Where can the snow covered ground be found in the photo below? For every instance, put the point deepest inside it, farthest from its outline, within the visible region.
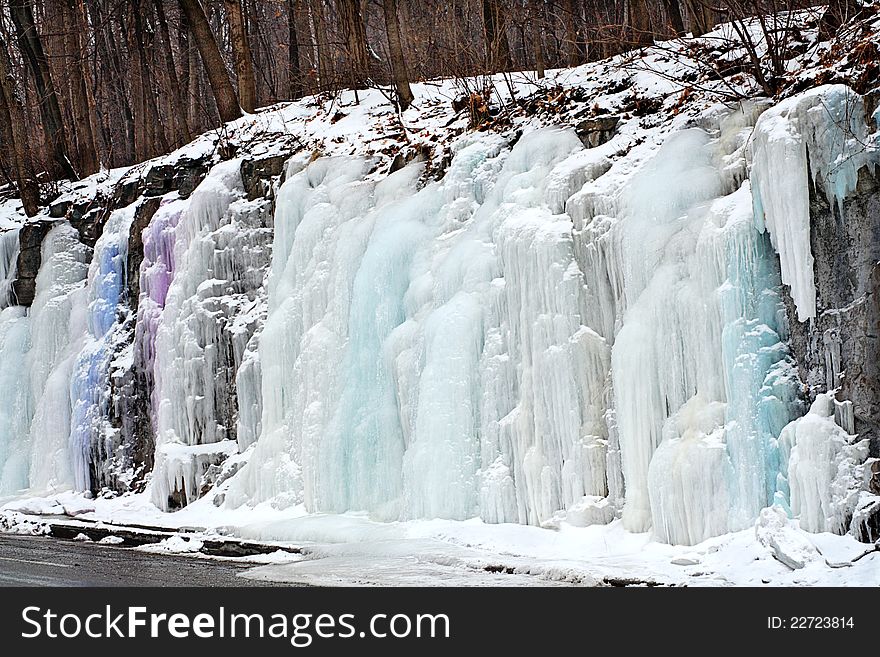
(352, 550)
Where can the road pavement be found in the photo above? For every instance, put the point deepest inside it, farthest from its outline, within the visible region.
(45, 561)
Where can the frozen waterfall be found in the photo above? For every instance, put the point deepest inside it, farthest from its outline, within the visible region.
(546, 333)
(473, 371)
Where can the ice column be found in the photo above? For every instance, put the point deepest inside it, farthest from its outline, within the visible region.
(668, 348)
(323, 224)
(58, 331)
(16, 410)
(825, 468)
(203, 310)
(90, 382)
(9, 248)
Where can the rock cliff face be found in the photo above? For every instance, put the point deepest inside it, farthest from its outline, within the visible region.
(30, 239)
(840, 349)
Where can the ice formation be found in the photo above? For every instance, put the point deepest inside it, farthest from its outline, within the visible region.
(546, 333)
(463, 329)
(90, 382)
(818, 138)
(16, 409)
(205, 260)
(58, 322)
(449, 315)
(9, 250)
(825, 470)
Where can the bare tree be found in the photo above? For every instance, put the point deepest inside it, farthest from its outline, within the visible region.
(640, 23)
(14, 131)
(119, 81)
(50, 111)
(572, 40)
(294, 75)
(536, 18)
(395, 50)
(86, 152)
(175, 90)
(351, 19)
(241, 51)
(673, 15)
(221, 85)
(702, 16)
(497, 46)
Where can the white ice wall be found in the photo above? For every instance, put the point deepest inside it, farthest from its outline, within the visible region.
(59, 326)
(451, 317)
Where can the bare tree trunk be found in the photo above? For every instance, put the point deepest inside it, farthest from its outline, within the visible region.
(119, 120)
(294, 76)
(175, 87)
(673, 14)
(14, 132)
(572, 38)
(50, 111)
(193, 78)
(537, 21)
(241, 51)
(352, 23)
(221, 85)
(640, 23)
(138, 107)
(702, 19)
(90, 77)
(395, 50)
(87, 156)
(497, 47)
(149, 137)
(316, 10)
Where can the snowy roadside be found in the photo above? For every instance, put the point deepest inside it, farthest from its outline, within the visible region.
(352, 550)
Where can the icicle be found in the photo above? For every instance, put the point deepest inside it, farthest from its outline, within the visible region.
(204, 261)
(820, 133)
(9, 249)
(17, 409)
